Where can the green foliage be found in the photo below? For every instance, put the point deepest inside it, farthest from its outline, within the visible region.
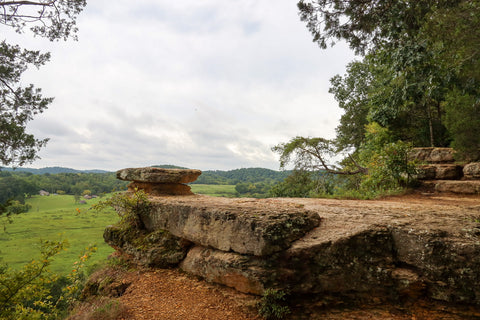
(462, 118)
(16, 185)
(300, 184)
(388, 165)
(31, 292)
(48, 217)
(23, 293)
(246, 175)
(19, 104)
(352, 93)
(272, 305)
(313, 154)
(416, 56)
(130, 206)
(255, 190)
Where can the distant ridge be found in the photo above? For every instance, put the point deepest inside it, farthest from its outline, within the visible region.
(53, 170)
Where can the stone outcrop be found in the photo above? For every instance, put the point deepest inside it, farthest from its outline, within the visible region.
(356, 249)
(433, 155)
(150, 249)
(238, 226)
(472, 170)
(159, 181)
(439, 173)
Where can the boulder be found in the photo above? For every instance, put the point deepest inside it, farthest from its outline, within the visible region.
(245, 227)
(472, 170)
(159, 181)
(158, 175)
(432, 155)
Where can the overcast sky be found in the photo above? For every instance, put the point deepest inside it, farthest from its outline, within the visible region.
(209, 84)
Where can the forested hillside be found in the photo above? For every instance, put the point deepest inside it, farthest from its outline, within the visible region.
(246, 175)
(19, 185)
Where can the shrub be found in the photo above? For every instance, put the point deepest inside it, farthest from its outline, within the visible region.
(272, 305)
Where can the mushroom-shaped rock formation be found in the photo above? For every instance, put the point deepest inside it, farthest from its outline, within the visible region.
(159, 181)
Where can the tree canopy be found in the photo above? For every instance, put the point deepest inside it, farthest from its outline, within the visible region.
(418, 57)
(53, 19)
(415, 83)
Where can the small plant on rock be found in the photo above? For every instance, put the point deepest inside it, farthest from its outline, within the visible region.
(129, 206)
(272, 305)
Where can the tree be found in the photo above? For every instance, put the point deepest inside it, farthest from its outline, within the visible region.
(313, 154)
(352, 93)
(366, 24)
(53, 19)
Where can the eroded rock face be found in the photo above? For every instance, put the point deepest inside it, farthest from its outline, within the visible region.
(448, 265)
(158, 249)
(359, 249)
(159, 181)
(245, 273)
(241, 226)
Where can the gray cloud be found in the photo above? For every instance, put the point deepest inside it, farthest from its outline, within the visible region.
(205, 84)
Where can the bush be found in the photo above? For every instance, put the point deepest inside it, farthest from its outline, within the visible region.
(272, 305)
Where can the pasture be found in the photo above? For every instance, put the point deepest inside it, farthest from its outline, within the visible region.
(215, 190)
(58, 217)
(55, 217)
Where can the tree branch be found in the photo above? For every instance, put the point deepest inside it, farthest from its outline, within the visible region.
(32, 3)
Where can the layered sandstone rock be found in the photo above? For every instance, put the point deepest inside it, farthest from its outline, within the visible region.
(159, 181)
(433, 155)
(357, 249)
(440, 172)
(238, 226)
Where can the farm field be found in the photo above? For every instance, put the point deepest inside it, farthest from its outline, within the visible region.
(55, 217)
(215, 190)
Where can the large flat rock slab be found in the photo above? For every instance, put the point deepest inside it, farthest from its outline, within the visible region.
(159, 181)
(246, 226)
(389, 249)
(158, 175)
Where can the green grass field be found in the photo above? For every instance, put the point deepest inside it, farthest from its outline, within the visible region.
(215, 190)
(55, 218)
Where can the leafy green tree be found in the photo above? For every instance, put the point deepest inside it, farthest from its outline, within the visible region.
(463, 121)
(53, 19)
(352, 93)
(314, 154)
(300, 184)
(367, 24)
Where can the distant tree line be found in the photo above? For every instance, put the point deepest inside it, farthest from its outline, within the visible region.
(244, 175)
(19, 185)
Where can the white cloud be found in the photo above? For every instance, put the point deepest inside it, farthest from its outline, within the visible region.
(205, 84)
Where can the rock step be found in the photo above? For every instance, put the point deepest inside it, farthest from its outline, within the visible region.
(440, 172)
(454, 186)
(432, 155)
